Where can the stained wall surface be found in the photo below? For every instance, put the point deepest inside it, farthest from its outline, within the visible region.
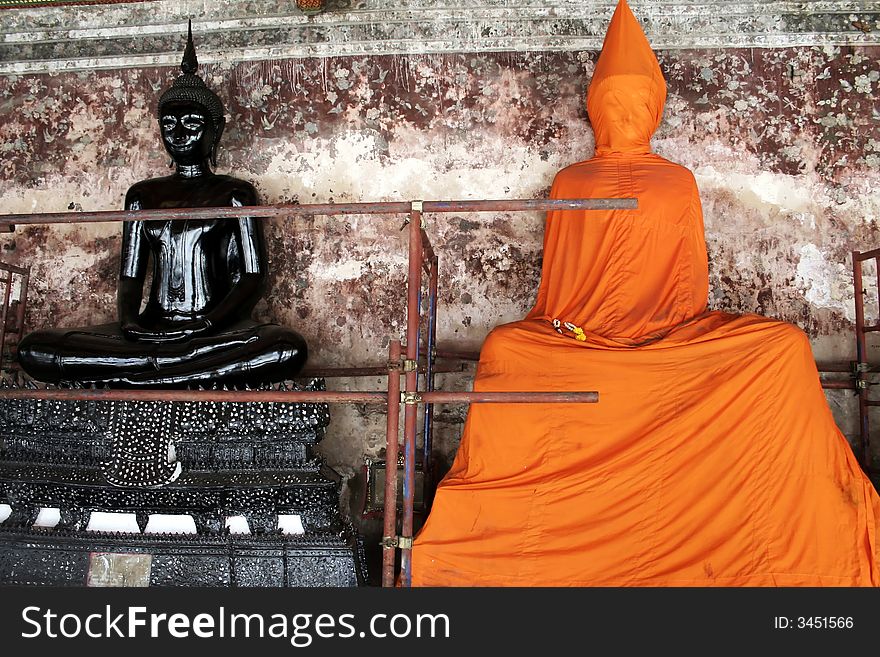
(779, 122)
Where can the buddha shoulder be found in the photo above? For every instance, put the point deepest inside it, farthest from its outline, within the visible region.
(236, 189)
(174, 191)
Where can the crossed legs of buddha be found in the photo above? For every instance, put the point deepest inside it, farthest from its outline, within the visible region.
(247, 353)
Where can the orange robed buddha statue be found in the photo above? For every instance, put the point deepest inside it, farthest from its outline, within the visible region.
(712, 457)
(207, 276)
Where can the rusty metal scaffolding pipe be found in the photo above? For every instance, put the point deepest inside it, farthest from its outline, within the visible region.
(179, 214)
(392, 432)
(862, 356)
(281, 396)
(457, 355)
(313, 209)
(410, 416)
(111, 394)
(861, 352)
(839, 385)
(430, 371)
(21, 271)
(860, 256)
(838, 367)
(520, 205)
(441, 397)
(3, 315)
(22, 297)
(449, 354)
(313, 396)
(373, 370)
(449, 368)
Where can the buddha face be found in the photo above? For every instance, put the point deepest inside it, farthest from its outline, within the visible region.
(188, 132)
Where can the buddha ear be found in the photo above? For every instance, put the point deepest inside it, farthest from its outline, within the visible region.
(221, 125)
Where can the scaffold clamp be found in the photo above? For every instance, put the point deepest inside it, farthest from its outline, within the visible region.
(418, 206)
(410, 398)
(402, 542)
(415, 206)
(404, 365)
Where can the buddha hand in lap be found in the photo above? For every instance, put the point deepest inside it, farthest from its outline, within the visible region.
(207, 276)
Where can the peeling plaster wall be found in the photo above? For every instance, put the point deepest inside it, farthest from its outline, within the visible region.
(784, 143)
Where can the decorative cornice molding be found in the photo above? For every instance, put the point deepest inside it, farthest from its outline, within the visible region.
(54, 39)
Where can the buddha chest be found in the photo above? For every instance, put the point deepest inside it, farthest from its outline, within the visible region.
(191, 259)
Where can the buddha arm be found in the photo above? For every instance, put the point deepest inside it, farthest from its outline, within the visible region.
(252, 270)
(132, 271)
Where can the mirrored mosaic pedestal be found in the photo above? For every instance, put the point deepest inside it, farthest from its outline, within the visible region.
(206, 460)
(47, 557)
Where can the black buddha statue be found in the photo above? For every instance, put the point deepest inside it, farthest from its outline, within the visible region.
(207, 276)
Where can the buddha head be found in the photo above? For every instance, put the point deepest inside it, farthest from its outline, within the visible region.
(191, 117)
(627, 93)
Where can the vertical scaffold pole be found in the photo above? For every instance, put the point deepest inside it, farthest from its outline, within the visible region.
(392, 431)
(6, 296)
(428, 433)
(861, 360)
(22, 299)
(410, 418)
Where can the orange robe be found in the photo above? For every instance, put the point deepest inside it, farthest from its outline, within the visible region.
(712, 457)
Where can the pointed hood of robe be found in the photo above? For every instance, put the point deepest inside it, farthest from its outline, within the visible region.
(626, 96)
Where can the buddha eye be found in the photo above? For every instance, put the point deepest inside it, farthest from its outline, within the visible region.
(168, 122)
(193, 122)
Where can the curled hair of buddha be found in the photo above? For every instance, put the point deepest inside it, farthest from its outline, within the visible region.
(190, 88)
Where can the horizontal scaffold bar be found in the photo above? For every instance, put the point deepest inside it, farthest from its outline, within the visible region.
(860, 256)
(21, 271)
(187, 395)
(440, 397)
(372, 370)
(313, 209)
(839, 385)
(326, 396)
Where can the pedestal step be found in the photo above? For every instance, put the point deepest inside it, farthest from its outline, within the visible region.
(41, 557)
(259, 495)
